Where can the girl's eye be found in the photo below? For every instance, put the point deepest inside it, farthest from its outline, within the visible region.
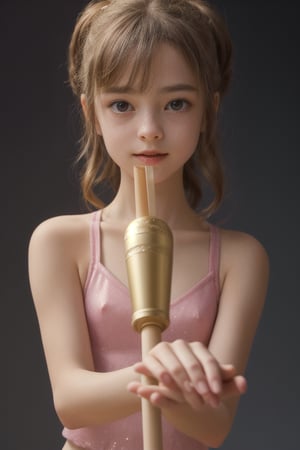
(177, 105)
(121, 107)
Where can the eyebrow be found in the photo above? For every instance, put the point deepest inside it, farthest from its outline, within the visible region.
(164, 89)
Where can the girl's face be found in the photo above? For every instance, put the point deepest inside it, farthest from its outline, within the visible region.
(159, 126)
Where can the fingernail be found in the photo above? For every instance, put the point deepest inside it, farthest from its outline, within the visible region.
(202, 387)
(216, 387)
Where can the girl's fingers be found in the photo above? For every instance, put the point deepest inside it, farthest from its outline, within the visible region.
(178, 361)
(176, 366)
(191, 370)
(160, 401)
(142, 369)
(228, 371)
(163, 397)
(148, 391)
(237, 386)
(211, 368)
(194, 375)
(194, 359)
(158, 393)
(165, 362)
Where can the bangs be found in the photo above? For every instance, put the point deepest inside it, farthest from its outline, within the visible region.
(137, 62)
(132, 49)
(128, 42)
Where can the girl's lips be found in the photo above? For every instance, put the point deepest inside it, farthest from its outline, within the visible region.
(150, 158)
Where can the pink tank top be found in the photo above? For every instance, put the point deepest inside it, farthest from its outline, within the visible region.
(116, 345)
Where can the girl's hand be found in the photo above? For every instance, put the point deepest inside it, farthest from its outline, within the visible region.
(186, 372)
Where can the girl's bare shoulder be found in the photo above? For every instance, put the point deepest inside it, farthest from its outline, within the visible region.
(60, 243)
(62, 237)
(235, 242)
(62, 227)
(241, 251)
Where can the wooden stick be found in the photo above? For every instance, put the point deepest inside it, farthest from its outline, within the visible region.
(140, 192)
(150, 190)
(151, 416)
(144, 191)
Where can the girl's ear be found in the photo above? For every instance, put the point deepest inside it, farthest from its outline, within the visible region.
(85, 112)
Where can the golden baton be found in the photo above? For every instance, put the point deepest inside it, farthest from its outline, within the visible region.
(149, 254)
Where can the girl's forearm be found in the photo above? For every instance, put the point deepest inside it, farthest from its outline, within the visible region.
(209, 425)
(86, 398)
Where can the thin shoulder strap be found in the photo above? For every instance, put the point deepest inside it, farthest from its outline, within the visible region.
(95, 237)
(94, 245)
(214, 254)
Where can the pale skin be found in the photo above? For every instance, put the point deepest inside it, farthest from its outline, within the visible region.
(198, 388)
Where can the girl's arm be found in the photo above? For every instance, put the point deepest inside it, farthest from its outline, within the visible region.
(81, 396)
(206, 414)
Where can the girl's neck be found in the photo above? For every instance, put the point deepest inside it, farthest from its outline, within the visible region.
(171, 204)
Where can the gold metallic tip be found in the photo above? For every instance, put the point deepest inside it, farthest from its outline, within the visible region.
(149, 254)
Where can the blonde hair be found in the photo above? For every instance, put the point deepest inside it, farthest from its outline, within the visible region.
(110, 32)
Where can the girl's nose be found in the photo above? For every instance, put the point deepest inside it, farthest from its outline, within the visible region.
(150, 129)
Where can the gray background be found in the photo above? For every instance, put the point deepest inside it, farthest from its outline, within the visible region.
(38, 144)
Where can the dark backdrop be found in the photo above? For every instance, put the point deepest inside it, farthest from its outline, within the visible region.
(38, 144)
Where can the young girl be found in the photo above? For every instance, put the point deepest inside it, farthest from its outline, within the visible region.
(150, 75)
